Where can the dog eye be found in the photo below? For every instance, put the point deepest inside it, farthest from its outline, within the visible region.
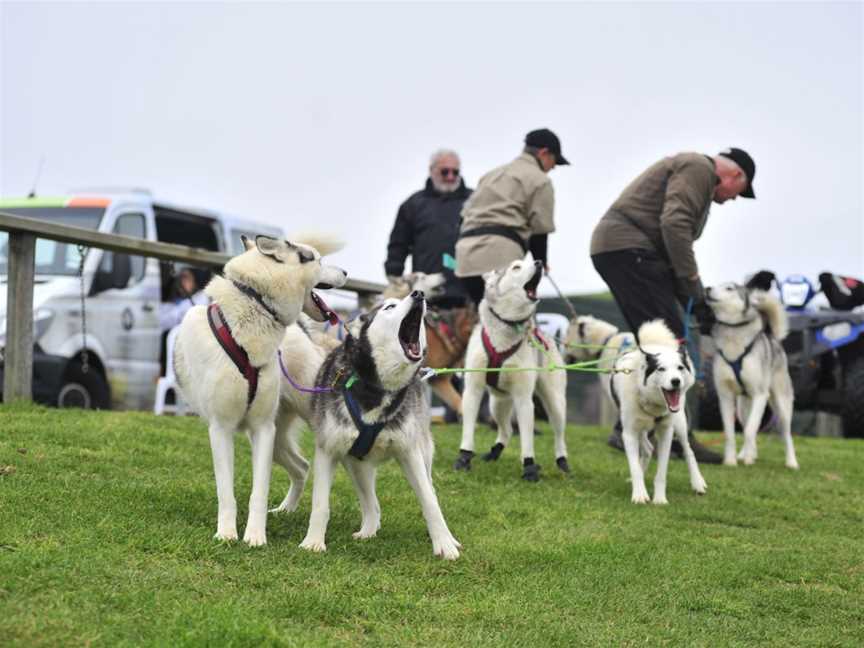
(680, 368)
(389, 306)
(517, 267)
(661, 369)
(305, 258)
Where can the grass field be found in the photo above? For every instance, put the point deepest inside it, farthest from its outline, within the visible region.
(106, 524)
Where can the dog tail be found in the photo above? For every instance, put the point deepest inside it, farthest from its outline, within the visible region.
(656, 332)
(324, 243)
(773, 312)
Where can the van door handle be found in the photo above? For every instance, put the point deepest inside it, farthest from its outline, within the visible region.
(148, 307)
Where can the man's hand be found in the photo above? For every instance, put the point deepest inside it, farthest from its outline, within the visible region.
(703, 313)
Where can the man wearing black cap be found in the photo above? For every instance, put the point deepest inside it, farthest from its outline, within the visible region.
(510, 212)
(643, 245)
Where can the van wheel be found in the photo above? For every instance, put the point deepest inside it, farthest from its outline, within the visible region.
(85, 390)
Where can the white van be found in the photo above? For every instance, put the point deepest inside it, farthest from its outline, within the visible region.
(124, 342)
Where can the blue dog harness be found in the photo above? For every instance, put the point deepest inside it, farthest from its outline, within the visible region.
(736, 364)
(368, 432)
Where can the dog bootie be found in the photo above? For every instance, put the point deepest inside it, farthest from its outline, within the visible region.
(494, 452)
(530, 471)
(463, 461)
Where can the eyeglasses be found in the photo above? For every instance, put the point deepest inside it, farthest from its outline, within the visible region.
(448, 172)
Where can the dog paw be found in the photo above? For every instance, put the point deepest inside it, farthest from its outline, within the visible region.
(793, 464)
(531, 473)
(494, 452)
(730, 461)
(313, 544)
(640, 496)
(447, 548)
(463, 461)
(659, 499)
(226, 536)
(255, 537)
(747, 460)
(699, 486)
(364, 534)
(562, 464)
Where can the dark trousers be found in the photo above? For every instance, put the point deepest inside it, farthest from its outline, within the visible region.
(475, 287)
(643, 285)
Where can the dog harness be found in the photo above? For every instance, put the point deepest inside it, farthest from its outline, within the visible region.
(736, 365)
(234, 351)
(368, 431)
(495, 358)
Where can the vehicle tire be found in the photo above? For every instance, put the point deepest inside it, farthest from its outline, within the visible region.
(84, 390)
(853, 397)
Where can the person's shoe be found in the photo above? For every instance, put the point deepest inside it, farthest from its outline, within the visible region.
(703, 455)
(616, 440)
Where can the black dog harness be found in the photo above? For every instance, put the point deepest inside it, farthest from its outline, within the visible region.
(368, 432)
(234, 351)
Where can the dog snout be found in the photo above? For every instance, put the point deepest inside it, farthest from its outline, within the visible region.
(418, 295)
(676, 382)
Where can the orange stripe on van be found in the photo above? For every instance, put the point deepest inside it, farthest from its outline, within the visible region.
(88, 202)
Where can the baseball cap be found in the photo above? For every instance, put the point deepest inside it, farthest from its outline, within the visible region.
(545, 138)
(748, 166)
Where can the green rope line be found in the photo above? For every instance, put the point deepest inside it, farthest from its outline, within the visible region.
(576, 366)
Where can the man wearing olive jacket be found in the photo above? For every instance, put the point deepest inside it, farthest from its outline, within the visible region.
(643, 245)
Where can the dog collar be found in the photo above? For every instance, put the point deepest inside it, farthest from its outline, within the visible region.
(735, 324)
(256, 296)
(513, 323)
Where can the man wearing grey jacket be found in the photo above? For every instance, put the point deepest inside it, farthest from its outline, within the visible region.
(643, 245)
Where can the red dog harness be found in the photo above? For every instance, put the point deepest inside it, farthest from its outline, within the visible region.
(237, 353)
(495, 358)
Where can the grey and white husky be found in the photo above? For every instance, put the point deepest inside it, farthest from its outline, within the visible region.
(750, 368)
(370, 406)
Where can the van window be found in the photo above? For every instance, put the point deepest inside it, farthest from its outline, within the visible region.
(133, 225)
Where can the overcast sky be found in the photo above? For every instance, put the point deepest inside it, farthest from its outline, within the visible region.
(324, 115)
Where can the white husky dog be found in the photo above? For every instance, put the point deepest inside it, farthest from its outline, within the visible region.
(750, 366)
(649, 384)
(225, 359)
(589, 338)
(367, 405)
(505, 337)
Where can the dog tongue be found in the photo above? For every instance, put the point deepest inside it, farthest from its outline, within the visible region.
(331, 316)
(673, 398)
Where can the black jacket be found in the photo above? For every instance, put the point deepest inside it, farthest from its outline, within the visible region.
(427, 226)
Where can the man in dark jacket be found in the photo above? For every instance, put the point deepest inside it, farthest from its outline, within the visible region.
(427, 226)
(643, 245)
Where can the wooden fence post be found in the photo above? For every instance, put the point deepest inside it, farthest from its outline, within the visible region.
(18, 355)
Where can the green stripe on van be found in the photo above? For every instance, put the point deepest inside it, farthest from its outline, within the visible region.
(9, 203)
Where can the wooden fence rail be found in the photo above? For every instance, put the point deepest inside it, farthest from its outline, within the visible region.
(23, 232)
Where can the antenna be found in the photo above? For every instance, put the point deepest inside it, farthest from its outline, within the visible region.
(32, 193)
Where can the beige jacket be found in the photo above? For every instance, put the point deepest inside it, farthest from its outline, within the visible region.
(518, 195)
(665, 210)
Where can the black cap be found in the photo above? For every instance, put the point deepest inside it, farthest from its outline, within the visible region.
(545, 138)
(748, 166)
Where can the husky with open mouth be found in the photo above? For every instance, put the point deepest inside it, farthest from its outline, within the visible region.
(369, 405)
(648, 384)
(507, 338)
(225, 358)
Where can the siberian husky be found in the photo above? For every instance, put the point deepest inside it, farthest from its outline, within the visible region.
(648, 384)
(750, 366)
(368, 405)
(225, 359)
(506, 337)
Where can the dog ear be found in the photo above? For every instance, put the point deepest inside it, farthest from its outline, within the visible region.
(580, 329)
(651, 364)
(247, 244)
(490, 278)
(685, 357)
(270, 247)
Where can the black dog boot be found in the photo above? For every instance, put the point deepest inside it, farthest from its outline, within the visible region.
(463, 461)
(562, 464)
(494, 452)
(530, 470)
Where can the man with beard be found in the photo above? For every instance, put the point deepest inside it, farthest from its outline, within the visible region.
(427, 226)
(643, 245)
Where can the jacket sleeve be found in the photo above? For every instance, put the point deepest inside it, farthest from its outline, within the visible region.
(401, 241)
(541, 209)
(688, 193)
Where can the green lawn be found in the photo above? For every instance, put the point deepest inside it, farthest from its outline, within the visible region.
(106, 524)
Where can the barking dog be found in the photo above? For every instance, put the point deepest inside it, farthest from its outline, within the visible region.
(750, 366)
(372, 408)
(648, 384)
(225, 356)
(502, 338)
